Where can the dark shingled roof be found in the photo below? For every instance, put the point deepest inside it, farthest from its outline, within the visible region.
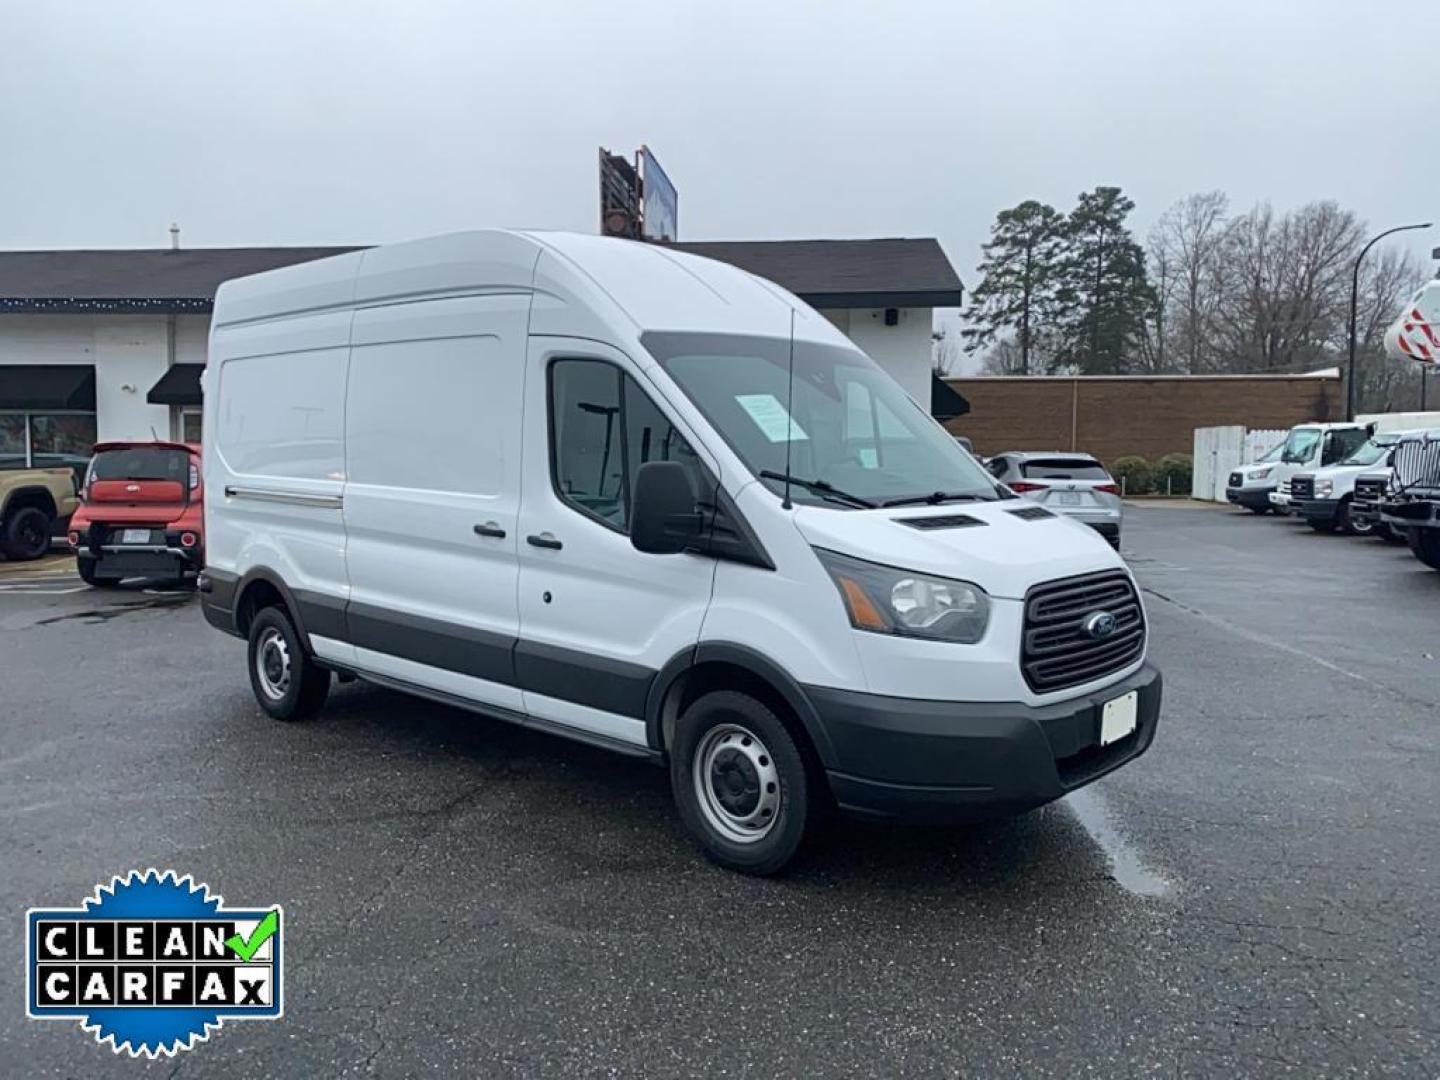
(825, 273)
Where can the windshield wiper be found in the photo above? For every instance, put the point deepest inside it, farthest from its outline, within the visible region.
(822, 487)
(935, 498)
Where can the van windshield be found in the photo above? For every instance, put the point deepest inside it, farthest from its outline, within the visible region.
(1372, 451)
(850, 428)
(1300, 445)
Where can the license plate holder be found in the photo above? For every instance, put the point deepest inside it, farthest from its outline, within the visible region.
(1069, 498)
(135, 536)
(1119, 717)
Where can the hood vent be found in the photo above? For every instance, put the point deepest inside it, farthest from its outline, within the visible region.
(1031, 513)
(943, 521)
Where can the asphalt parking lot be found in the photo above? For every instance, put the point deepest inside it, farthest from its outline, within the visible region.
(1257, 896)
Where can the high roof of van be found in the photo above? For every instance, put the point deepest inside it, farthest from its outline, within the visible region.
(627, 286)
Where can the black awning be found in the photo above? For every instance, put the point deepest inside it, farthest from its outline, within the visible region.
(47, 386)
(180, 385)
(946, 402)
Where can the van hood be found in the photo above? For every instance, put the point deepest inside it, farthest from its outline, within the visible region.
(984, 543)
(1340, 472)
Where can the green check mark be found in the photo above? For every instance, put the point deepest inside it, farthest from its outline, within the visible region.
(244, 948)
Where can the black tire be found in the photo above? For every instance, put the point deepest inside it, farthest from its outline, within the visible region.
(769, 771)
(1425, 544)
(1258, 511)
(1389, 534)
(86, 569)
(288, 684)
(1323, 526)
(1348, 525)
(25, 534)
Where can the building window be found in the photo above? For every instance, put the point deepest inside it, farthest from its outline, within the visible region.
(46, 440)
(188, 424)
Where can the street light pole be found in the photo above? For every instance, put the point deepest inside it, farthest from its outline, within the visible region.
(1355, 302)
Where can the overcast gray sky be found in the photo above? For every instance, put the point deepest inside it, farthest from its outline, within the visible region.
(262, 122)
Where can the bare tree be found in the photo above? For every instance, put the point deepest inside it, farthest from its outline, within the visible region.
(1383, 384)
(1286, 287)
(1004, 357)
(946, 353)
(1185, 248)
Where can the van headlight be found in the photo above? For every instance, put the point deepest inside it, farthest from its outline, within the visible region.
(1324, 488)
(884, 600)
(1261, 474)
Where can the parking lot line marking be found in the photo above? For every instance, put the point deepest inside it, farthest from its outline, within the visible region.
(11, 591)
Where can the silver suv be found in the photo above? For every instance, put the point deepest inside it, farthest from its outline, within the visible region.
(1075, 485)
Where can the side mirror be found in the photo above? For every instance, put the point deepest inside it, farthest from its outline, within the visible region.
(663, 518)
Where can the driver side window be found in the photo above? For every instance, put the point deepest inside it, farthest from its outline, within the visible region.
(603, 427)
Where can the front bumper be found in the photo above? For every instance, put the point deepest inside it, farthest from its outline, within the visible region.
(957, 761)
(1412, 513)
(1319, 510)
(1280, 500)
(1251, 498)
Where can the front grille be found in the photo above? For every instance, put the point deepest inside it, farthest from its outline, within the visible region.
(1302, 487)
(1236, 480)
(943, 521)
(1031, 513)
(1417, 464)
(1056, 652)
(1371, 490)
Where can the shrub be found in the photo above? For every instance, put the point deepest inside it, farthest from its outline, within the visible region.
(1133, 473)
(1176, 469)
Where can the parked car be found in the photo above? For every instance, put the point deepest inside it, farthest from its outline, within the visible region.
(1325, 498)
(33, 504)
(696, 525)
(1075, 485)
(141, 513)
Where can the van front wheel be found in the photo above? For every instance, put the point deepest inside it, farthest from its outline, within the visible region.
(287, 683)
(741, 783)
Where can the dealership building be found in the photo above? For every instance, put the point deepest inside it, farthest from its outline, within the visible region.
(109, 344)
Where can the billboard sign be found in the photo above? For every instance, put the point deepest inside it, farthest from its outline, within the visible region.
(661, 203)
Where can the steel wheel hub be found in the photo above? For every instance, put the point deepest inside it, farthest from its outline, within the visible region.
(272, 664)
(736, 783)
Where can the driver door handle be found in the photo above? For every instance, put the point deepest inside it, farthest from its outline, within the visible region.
(544, 540)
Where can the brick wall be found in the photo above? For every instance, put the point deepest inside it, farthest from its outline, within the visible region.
(1111, 417)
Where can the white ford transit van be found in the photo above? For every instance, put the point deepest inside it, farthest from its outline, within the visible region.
(653, 502)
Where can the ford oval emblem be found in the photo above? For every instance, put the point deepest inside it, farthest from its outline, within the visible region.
(1098, 625)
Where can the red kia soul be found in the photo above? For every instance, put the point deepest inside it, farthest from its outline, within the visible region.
(141, 513)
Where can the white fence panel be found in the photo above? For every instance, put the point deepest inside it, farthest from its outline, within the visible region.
(1260, 441)
(1217, 451)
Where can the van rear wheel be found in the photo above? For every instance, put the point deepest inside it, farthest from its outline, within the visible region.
(288, 684)
(741, 782)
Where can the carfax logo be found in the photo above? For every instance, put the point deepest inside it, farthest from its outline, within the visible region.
(152, 963)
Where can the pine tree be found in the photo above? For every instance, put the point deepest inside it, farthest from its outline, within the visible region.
(1105, 292)
(1018, 279)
